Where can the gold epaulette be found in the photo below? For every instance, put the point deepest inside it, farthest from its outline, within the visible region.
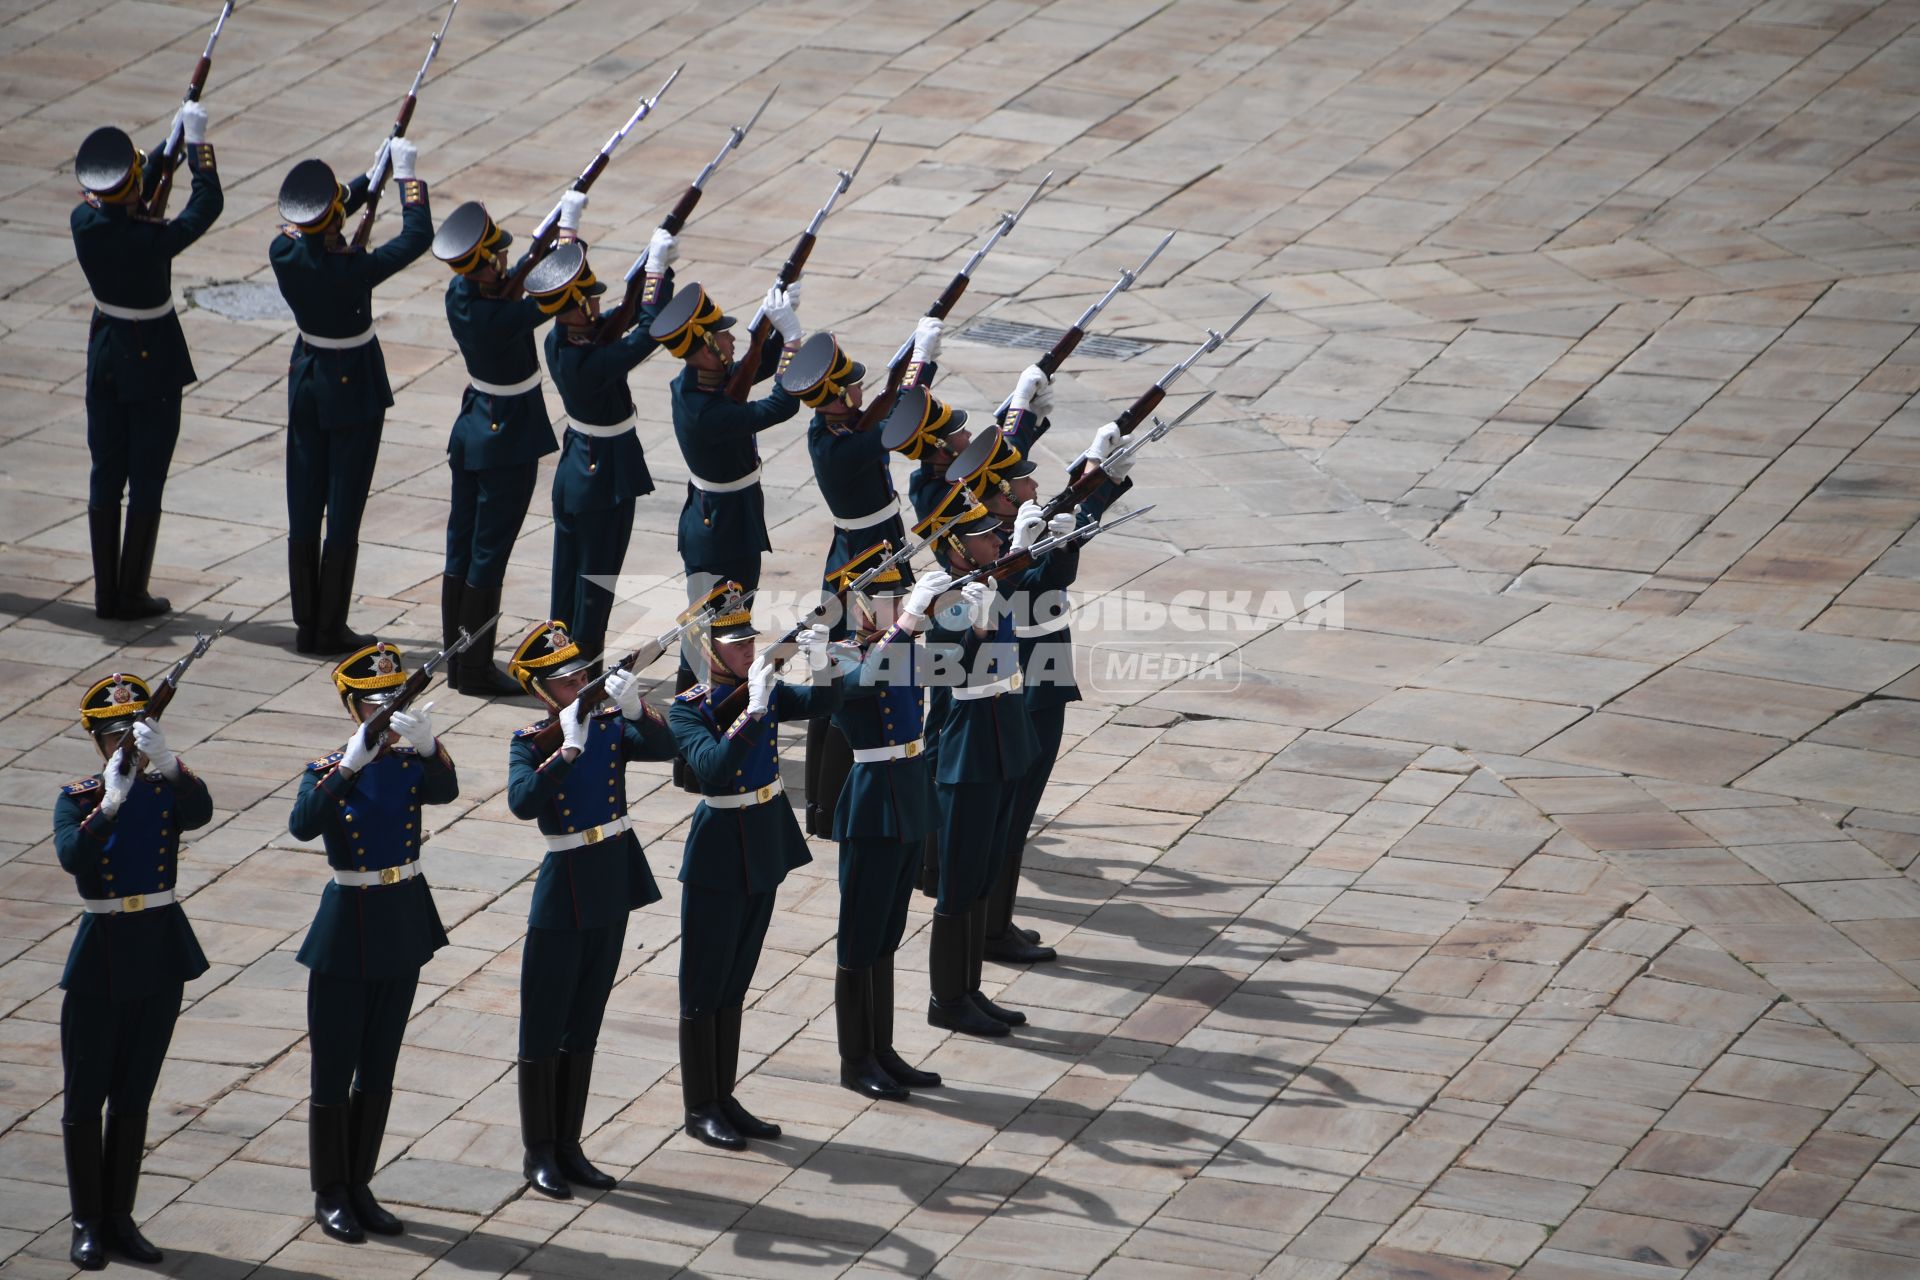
(697, 693)
(325, 763)
(80, 786)
(530, 730)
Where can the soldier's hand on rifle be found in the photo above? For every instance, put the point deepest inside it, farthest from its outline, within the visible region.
(1104, 442)
(193, 123)
(119, 785)
(572, 205)
(624, 688)
(404, 154)
(812, 643)
(1033, 393)
(358, 753)
(573, 727)
(979, 598)
(380, 161)
(760, 678)
(663, 250)
(416, 727)
(1063, 524)
(926, 340)
(1027, 524)
(152, 744)
(780, 309)
(926, 589)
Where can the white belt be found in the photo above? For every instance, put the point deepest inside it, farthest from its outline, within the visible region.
(969, 692)
(133, 313)
(746, 481)
(595, 429)
(337, 344)
(901, 751)
(592, 835)
(521, 387)
(746, 798)
(385, 875)
(867, 521)
(1035, 630)
(132, 902)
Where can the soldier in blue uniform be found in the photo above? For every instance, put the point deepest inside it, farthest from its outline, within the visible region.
(922, 429)
(740, 846)
(337, 389)
(884, 815)
(593, 876)
(376, 926)
(137, 359)
(118, 835)
(602, 471)
(500, 436)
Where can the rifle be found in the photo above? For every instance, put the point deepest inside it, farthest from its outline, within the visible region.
(381, 167)
(550, 225)
(374, 730)
(1050, 363)
(1150, 399)
(740, 384)
(616, 324)
(1015, 561)
(169, 157)
(547, 740)
(161, 695)
(1089, 477)
(880, 405)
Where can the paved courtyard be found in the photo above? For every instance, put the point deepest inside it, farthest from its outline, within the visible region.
(1554, 915)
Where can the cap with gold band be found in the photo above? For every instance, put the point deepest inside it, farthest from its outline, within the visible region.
(374, 674)
(917, 421)
(112, 703)
(687, 320)
(821, 371)
(894, 580)
(310, 196)
(733, 621)
(469, 237)
(547, 653)
(109, 166)
(563, 279)
(988, 463)
(958, 514)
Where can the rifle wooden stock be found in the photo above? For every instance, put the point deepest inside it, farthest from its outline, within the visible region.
(1084, 483)
(682, 210)
(882, 404)
(1137, 412)
(375, 726)
(157, 202)
(542, 242)
(1050, 363)
(156, 704)
(740, 383)
(779, 651)
(593, 693)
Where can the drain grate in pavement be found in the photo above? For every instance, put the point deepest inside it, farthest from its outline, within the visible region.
(242, 300)
(1011, 333)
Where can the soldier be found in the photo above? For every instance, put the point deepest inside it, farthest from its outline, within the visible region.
(602, 470)
(118, 834)
(884, 816)
(740, 846)
(926, 432)
(337, 390)
(137, 359)
(500, 436)
(376, 926)
(593, 876)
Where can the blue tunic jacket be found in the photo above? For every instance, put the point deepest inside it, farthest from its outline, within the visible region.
(717, 439)
(496, 340)
(881, 706)
(598, 473)
(986, 739)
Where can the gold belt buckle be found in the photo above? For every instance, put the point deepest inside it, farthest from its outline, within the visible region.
(595, 836)
(389, 875)
(913, 749)
(134, 902)
(764, 794)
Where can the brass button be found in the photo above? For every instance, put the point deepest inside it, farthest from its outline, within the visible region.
(566, 813)
(495, 427)
(343, 377)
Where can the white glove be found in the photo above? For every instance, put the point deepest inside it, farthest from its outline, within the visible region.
(779, 310)
(1029, 393)
(926, 589)
(358, 753)
(926, 339)
(573, 726)
(624, 688)
(152, 744)
(662, 251)
(119, 785)
(812, 642)
(1104, 442)
(193, 123)
(404, 154)
(572, 205)
(1117, 468)
(416, 727)
(1027, 524)
(979, 598)
(1062, 524)
(760, 678)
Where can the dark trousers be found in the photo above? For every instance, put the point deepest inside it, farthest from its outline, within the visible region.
(876, 881)
(132, 447)
(566, 976)
(488, 509)
(720, 937)
(1049, 724)
(111, 1051)
(354, 1030)
(974, 817)
(330, 474)
(588, 543)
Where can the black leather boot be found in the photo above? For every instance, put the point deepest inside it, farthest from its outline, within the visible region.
(368, 1126)
(930, 867)
(572, 1079)
(726, 1067)
(327, 1172)
(451, 590)
(976, 953)
(829, 760)
(1005, 943)
(125, 1144)
(103, 533)
(478, 676)
(333, 635)
(303, 593)
(82, 1140)
(950, 1006)
(883, 1052)
(700, 1089)
(539, 1128)
(136, 566)
(853, 1020)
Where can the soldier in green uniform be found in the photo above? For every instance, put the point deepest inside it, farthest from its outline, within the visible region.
(118, 834)
(500, 436)
(337, 389)
(740, 846)
(375, 927)
(593, 876)
(137, 359)
(885, 813)
(602, 471)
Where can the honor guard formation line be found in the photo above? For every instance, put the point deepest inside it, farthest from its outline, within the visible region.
(934, 694)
